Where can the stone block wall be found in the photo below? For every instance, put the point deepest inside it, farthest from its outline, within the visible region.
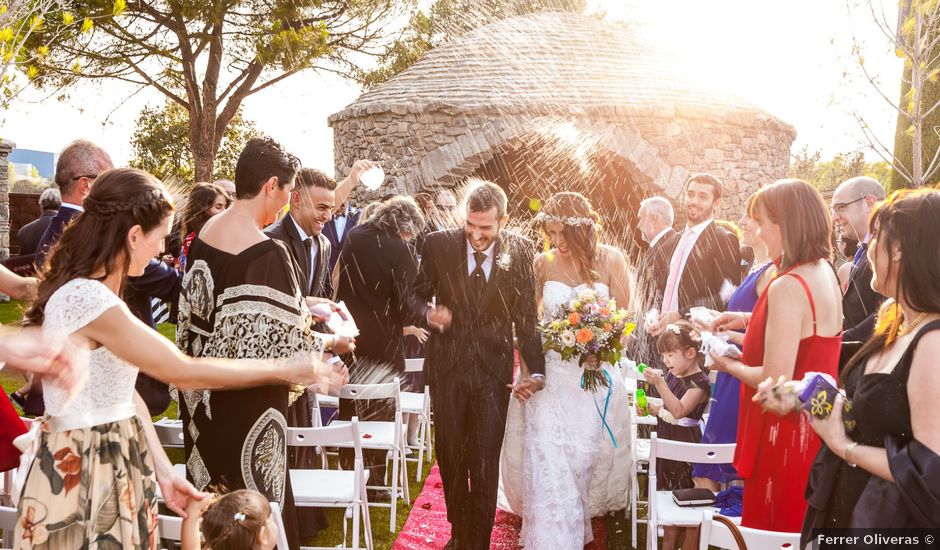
(5, 148)
(442, 146)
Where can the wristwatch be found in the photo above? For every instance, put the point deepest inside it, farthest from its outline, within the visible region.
(539, 377)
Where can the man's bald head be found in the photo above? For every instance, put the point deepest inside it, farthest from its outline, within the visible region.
(852, 203)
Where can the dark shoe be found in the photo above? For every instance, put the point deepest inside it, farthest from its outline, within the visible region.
(18, 399)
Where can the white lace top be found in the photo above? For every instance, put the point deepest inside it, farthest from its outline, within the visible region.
(105, 380)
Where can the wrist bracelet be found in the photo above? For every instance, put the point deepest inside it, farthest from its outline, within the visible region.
(849, 447)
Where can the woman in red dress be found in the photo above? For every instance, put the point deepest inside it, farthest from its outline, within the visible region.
(795, 328)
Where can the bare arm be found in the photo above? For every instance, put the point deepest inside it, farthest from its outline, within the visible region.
(678, 408)
(19, 288)
(786, 308)
(619, 276)
(129, 339)
(345, 187)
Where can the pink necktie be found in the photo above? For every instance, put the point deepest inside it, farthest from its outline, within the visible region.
(682, 249)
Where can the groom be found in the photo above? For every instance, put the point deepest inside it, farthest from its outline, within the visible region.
(482, 280)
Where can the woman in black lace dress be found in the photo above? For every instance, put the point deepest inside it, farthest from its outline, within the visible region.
(881, 467)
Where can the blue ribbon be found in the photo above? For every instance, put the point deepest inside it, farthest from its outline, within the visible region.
(603, 415)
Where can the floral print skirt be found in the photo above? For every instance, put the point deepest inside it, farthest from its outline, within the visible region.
(90, 488)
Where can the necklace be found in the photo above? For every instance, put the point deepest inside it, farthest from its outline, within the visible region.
(906, 329)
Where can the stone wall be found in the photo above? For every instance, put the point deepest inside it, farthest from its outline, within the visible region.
(5, 148)
(745, 149)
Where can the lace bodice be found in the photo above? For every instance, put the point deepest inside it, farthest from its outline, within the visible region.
(105, 380)
(555, 293)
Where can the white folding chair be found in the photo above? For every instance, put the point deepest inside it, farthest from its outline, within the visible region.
(382, 435)
(419, 404)
(641, 457)
(8, 524)
(170, 432)
(6, 490)
(663, 510)
(333, 488)
(718, 533)
(171, 527)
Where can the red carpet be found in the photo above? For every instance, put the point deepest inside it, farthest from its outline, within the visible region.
(427, 526)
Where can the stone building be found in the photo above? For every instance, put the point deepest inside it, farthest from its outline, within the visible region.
(555, 101)
(6, 147)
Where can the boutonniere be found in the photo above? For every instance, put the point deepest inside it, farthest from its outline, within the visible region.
(504, 261)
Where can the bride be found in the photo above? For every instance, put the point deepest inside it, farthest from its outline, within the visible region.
(559, 465)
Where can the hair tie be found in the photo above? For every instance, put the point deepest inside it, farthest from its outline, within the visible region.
(239, 517)
(674, 328)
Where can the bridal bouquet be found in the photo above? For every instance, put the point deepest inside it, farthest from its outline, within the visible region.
(587, 325)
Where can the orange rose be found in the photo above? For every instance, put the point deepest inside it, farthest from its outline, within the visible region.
(584, 336)
(574, 318)
(608, 327)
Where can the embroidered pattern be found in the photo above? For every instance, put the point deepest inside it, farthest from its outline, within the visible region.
(264, 455)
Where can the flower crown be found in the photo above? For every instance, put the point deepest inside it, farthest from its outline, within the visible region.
(542, 217)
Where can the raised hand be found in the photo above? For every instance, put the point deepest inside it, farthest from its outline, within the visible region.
(730, 320)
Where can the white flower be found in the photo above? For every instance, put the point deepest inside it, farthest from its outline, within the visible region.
(504, 261)
(587, 294)
(568, 338)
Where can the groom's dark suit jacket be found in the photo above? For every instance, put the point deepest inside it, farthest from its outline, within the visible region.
(482, 327)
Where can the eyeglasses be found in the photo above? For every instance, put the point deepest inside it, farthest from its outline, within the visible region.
(89, 176)
(838, 208)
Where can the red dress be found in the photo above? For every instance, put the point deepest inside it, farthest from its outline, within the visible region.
(774, 454)
(10, 428)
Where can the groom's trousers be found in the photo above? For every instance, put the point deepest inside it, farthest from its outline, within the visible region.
(470, 420)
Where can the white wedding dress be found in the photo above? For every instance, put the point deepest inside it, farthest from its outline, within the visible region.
(559, 467)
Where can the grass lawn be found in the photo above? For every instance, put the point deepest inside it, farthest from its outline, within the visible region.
(618, 530)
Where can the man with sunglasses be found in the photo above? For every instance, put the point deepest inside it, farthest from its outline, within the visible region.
(76, 170)
(852, 203)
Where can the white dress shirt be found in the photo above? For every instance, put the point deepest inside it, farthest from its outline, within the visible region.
(658, 236)
(339, 223)
(487, 263)
(314, 248)
(696, 233)
(73, 206)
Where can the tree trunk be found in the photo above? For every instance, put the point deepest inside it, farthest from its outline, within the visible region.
(203, 143)
(917, 82)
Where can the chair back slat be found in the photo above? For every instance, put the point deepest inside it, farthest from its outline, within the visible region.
(720, 532)
(325, 436)
(414, 365)
(169, 431)
(389, 390)
(682, 451)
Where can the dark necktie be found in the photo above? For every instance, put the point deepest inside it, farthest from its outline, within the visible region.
(477, 276)
(308, 242)
(862, 249)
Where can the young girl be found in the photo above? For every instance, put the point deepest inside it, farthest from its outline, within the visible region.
(685, 392)
(240, 520)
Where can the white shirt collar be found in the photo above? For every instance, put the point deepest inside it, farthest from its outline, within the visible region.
(659, 236)
(489, 251)
(303, 234)
(73, 206)
(697, 229)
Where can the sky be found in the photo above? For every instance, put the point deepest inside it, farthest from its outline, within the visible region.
(791, 58)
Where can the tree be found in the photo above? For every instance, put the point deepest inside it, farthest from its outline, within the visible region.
(447, 19)
(825, 176)
(161, 144)
(23, 42)
(208, 56)
(916, 39)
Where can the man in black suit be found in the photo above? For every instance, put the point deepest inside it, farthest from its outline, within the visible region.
(79, 164)
(704, 257)
(655, 219)
(481, 278)
(852, 204)
(28, 236)
(311, 206)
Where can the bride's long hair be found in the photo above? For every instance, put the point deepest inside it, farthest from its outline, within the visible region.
(97, 240)
(582, 238)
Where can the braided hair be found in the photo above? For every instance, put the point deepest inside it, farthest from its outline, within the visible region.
(234, 520)
(97, 239)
